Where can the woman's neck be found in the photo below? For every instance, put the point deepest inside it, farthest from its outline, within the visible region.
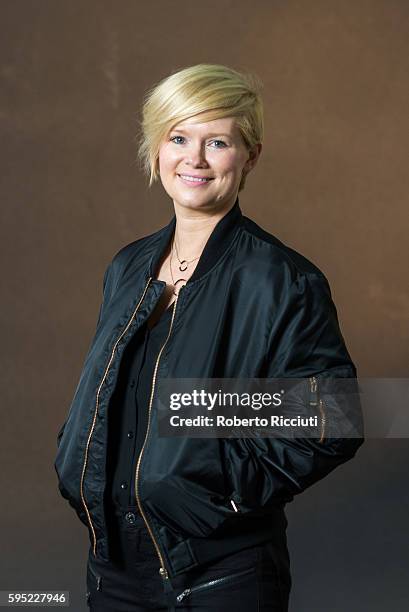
(193, 228)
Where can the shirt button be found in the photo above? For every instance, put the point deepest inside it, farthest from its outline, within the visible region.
(130, 434)
(132, 384)
(124, 485)
(130, 517)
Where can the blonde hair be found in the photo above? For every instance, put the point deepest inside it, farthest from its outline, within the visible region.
(212, 89)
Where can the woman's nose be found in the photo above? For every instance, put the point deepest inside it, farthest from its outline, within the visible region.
(197, 155)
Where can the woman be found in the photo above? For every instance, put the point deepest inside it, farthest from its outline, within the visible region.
(183, 522)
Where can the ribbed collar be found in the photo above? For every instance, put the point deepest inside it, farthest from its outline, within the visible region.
(217, 243)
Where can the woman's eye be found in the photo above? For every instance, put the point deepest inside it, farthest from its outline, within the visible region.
(174, 138)
(223, 143)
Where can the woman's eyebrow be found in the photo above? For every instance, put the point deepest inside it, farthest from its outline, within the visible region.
(210, 134)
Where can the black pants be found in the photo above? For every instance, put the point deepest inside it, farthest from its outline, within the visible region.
(255, 579)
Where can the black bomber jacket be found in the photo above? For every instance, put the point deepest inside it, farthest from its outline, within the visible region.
(252, 308)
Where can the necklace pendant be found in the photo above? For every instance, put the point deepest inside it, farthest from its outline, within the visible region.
(183, 265)
(176, 282)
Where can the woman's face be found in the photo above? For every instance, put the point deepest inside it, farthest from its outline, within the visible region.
(214, 150)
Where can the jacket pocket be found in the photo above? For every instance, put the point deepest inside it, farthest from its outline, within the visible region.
(215, 583)
(242, 475)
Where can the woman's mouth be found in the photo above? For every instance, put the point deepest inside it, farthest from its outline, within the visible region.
(194, 181)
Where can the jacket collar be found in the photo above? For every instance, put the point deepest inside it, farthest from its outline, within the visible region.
(217, 243)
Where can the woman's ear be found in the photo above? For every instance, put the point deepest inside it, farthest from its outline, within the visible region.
(254, 154)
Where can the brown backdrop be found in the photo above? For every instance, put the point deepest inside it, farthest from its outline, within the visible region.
(332, 182)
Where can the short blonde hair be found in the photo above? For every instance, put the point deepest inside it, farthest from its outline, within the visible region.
(212, 89)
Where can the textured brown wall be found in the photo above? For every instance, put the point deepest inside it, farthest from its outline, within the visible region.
(332, 182)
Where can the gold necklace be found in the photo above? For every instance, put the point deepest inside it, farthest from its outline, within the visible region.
(184, 262)
(171, 273)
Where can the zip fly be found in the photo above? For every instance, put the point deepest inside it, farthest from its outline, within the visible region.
(163, 572)
(96, 413)
(211, 583)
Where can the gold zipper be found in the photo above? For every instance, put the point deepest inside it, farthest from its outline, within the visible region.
(314, 387)
(95, 416)
(163, 572)
(323, 420)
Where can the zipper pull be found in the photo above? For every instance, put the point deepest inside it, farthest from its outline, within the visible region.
(182, 595)
(313, 389)
(323, 420)
(235, 508)
(163, 573)
(314, 402)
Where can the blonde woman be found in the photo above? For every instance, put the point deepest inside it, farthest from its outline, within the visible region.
(193, 523)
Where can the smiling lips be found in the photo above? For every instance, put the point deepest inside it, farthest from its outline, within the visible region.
(194, 181)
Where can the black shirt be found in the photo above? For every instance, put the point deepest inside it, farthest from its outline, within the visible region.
(129, 408)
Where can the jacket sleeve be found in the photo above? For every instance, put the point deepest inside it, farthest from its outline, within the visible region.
(306, 341)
